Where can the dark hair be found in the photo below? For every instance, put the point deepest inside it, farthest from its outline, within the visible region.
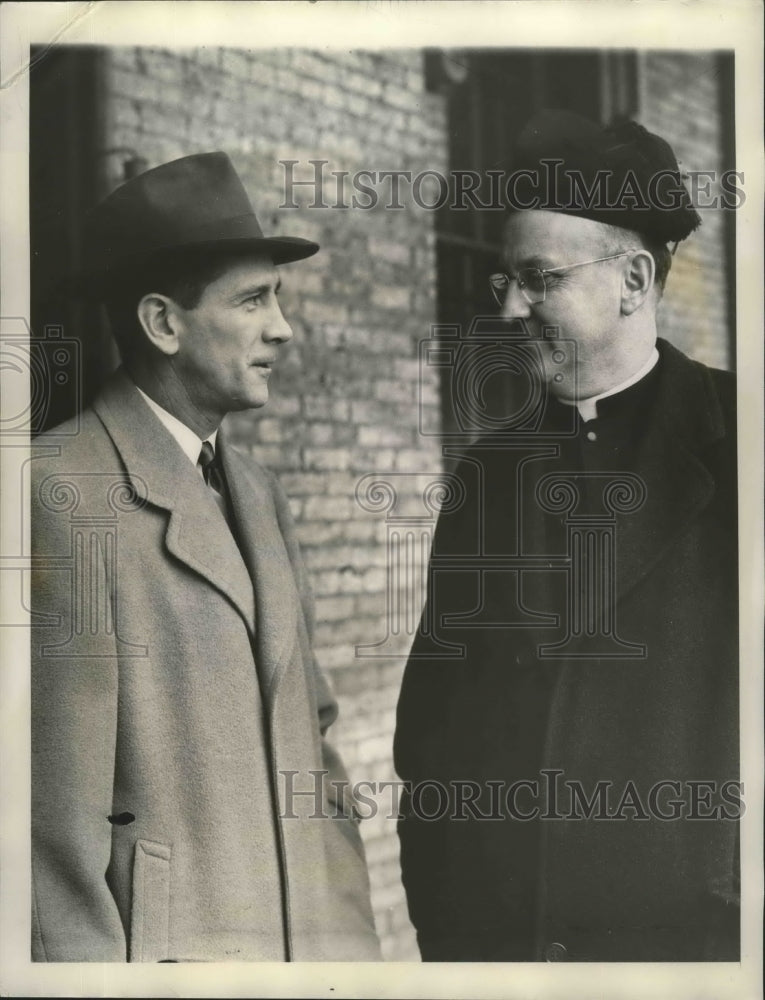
(183, 277)
(617, 239)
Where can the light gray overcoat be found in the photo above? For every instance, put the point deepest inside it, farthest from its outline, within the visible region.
(173, 686)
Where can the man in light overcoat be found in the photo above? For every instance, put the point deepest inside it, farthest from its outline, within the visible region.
(176, 704)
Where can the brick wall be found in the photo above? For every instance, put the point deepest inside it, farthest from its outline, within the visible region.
(344, 401)
(680, 101)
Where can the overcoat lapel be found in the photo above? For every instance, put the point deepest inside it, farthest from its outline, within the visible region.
(262, 545)
(684, 420)
(196, 532)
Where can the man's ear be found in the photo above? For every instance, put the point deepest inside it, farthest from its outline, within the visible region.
(159, 322)
(638, 280)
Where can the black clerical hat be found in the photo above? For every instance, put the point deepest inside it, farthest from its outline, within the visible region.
(621, 174)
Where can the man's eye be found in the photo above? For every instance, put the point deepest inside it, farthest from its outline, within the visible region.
(253, 300)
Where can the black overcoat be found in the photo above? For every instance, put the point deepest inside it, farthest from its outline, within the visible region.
(571, 742)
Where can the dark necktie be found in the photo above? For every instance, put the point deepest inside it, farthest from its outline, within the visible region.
(211, 469)
(214, 476)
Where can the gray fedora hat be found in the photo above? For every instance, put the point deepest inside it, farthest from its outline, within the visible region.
(192, 203)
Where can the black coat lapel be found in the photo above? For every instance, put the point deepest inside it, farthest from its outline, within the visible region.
(685, 419)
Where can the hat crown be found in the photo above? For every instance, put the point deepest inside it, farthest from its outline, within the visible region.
(633, 172)
(196, 201)
(206, 184)
(176, 204)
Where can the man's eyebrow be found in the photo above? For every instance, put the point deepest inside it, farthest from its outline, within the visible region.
(533, 261)
(264, 286)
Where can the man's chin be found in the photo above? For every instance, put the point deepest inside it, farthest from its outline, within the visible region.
(563, 385)
(251, 401)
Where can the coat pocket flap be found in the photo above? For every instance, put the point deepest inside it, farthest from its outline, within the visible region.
(150, 913)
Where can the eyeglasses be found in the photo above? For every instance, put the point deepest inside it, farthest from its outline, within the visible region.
(531, 280)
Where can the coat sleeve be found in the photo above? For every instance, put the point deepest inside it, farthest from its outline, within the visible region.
(73, 727)
(344, 849)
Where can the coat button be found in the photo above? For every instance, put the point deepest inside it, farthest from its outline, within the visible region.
(556, 952)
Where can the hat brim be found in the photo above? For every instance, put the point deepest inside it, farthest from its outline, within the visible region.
(97, 282)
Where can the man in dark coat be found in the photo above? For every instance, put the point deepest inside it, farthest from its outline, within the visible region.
(186, 804)
(568, 721)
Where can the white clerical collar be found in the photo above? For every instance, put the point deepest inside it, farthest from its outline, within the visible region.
(190, 444)
(588, 409)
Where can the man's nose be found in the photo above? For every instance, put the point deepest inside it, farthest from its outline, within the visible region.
(515, 305)
(277, 329)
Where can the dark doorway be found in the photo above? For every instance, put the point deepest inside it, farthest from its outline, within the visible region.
(71, 350)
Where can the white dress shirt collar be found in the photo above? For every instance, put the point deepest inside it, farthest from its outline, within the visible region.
(190, 444)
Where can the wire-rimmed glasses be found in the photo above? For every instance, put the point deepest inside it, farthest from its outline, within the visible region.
(531, 280)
